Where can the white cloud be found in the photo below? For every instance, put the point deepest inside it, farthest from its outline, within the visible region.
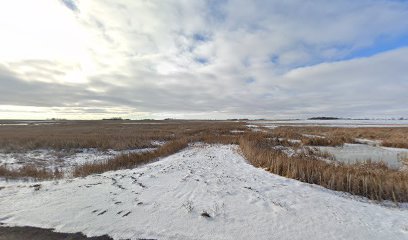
(192, 58)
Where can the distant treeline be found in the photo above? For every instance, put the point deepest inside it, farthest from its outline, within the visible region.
(115, 119)
(336, 118)
(327, 118)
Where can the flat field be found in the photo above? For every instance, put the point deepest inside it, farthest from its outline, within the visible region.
(179, 179)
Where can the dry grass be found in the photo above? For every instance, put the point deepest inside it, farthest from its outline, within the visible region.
(316, 141)
(395, 143)
(374, 181)
(110, 135)
(29, 171)
(131, 160)
(116, 135)
(334, 136)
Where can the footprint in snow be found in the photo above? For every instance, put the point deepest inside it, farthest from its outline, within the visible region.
(101, 213)
(120, 186)
(126, 214)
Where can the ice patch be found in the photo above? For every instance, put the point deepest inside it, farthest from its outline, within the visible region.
(352, 153)
(334, 123)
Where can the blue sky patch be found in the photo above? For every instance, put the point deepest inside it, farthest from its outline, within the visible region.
(198, 37)
(70, 4)
(250, 80)
(382, 44)
(201, 60)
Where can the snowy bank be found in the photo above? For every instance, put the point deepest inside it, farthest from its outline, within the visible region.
(167, 199)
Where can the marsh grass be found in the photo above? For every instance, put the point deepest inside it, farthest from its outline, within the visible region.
(327, 141)
(334, 136)
(117, 135)
(30, 171)
(371, 180)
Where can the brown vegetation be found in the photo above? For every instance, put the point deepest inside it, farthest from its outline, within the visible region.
(111, 135)
(29, 171)
(130, 160)
(116, 135)
(317, 141)
(374, 181)
(335, 136)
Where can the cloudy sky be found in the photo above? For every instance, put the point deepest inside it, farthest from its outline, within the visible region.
(203, 58)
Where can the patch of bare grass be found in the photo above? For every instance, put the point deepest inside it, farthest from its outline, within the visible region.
(395, 143)
(29, 171)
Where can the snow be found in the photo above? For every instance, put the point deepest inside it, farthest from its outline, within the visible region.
(294, 140)
(13, 124)
(26, 123)
(255, 128)
(289, 140)
(165, 200)
(237, 131)
(64, 160)
(287, 150)
(351, 153)
(158, 143)
(271, 126)
(312, 136)
(333, 123)
(368, 141)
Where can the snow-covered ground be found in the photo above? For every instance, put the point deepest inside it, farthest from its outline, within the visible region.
(312, 136)
(332, 123)
(254, 128)
(63, 160)
(370, 142)
(26, 123)
(166, 199)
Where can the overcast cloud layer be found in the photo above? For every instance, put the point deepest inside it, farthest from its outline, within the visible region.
(203, 59)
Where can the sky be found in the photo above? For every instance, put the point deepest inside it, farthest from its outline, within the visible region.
(203, 59)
